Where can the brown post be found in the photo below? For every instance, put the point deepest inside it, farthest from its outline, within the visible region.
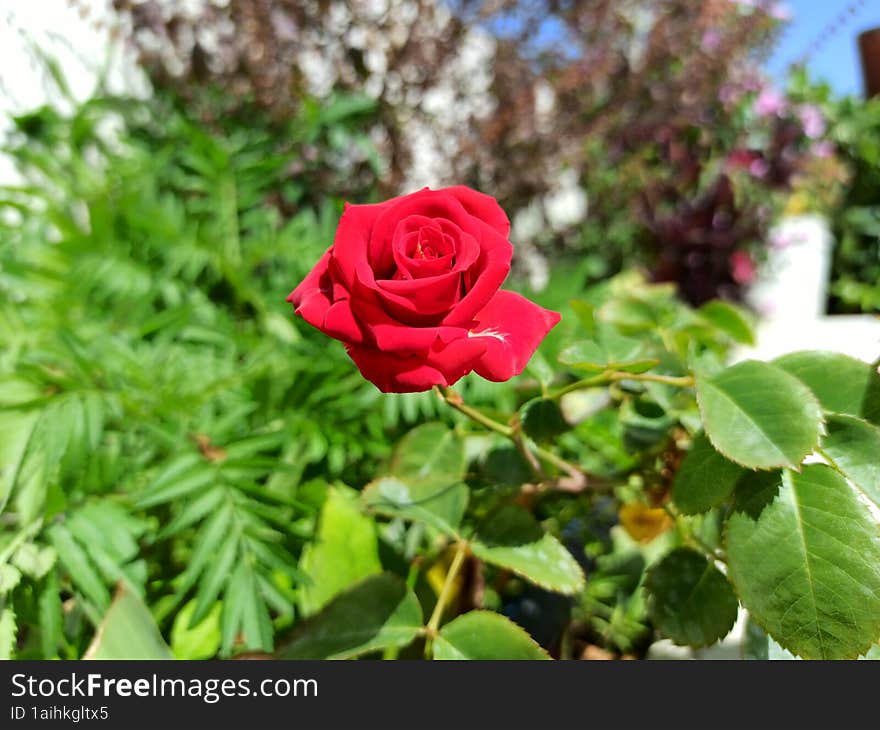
(869, 48)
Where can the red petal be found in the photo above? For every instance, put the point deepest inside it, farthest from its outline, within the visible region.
(512, 328)
(314, 295)
(483, 279)
(350, 246)
(443, 364)
(481, 206)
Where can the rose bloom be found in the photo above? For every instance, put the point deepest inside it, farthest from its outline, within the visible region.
(411, 287)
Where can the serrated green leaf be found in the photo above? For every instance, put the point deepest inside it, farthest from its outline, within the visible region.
(485, 635)
(755, 490)
(214, 578)
(729, 319)
(209, 541)
(759, 416)
(345, 550)
(35, 560)
(77, 564)
(542, 419)
(511, 538)
(585, 355)
(441, 507)
(854, 447)
(127, 631)
(377, 613)
(429, 452)
(704, 479)
(808, 569)
(169, 489)
(619, 353)
(689, 599)
(9, 577)
(841, 383)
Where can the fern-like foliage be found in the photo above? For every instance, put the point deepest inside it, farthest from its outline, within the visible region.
(163, 415)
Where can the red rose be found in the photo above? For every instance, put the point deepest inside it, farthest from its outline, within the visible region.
(411, 286)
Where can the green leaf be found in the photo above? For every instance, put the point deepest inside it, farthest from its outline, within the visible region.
(429, 452)
(689, 599)
(8, 632)
(127, 631)
(511, 538)
(377, 613)
(202, 641)
(755, 490)
(616, 353)
(841, 383)
(440, 507)
(808, 569)
(542, 419)
(51, 616)
(585, 355)
(77, 564)
(345, 550)
(9, 577)
(759, 416)
(704, 479)
(729, 319)
(854, 447)
(485, 635)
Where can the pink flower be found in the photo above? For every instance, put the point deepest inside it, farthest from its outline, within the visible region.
(823, 149)
(759, 168)
(812, 120)
(742, 267)
(779, 11)
(711, 40)
(769, 103)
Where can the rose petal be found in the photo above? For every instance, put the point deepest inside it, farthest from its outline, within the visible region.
(313, 297)
(413, 302)
(443, 364)
(339, 322)
(483, 279)
(512, 328)
(481, 206)
(393, 373)
(351, 243)
(427, 203)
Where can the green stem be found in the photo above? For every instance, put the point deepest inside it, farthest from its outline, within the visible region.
(445, 592)
(613, 376)
(448, 395)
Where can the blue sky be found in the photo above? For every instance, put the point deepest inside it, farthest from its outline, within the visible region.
(837, 60)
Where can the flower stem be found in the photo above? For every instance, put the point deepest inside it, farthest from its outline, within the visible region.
(577, 479)
(613, 376)
(461, 550)
(448, 395)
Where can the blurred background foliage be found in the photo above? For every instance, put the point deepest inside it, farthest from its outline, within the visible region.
(168, 425)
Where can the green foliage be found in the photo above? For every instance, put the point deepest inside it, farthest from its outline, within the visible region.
(691, 601)
(485, 635)
(174, 437)
(375, 614)
(808, 568)
(759, 416)
(127, 631)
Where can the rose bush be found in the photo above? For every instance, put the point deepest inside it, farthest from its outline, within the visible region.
(411, 286)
